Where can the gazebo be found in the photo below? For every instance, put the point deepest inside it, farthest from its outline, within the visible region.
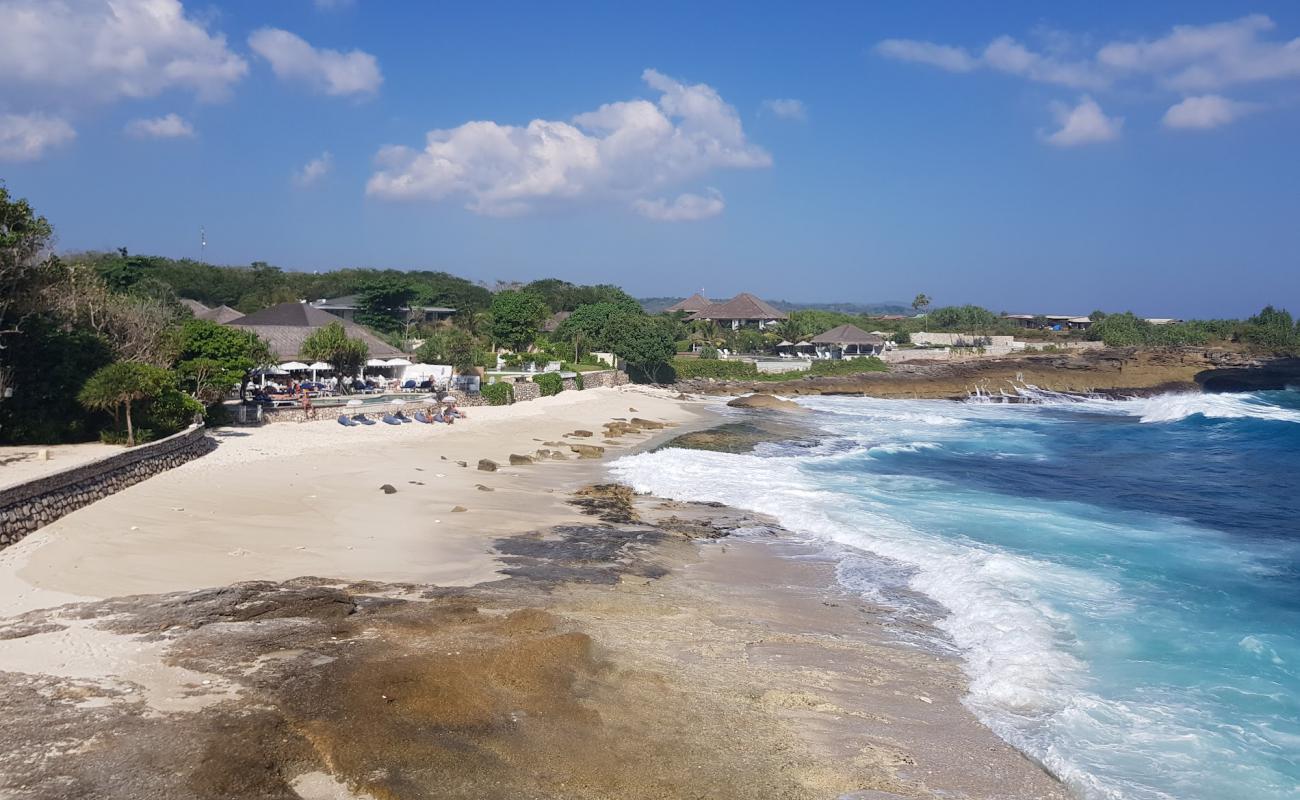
(847, 342)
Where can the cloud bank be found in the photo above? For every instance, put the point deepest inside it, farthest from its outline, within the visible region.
(686, 207)
(1084, 123)
(314, 170)
(1206, 111)
(626, 150)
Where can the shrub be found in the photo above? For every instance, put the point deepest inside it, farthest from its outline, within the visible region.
(687, 368)
(550, 383)
(577, 381)
(498, 394)
(710, 353)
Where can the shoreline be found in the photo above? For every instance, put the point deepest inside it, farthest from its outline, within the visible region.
(806, 696)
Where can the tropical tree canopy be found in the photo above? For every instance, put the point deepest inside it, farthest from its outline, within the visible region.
(119, 385)
(515, 318)
(332, 345)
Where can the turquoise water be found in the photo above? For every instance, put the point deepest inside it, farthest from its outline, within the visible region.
(1120, 578)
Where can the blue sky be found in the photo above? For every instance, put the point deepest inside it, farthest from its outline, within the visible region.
(1024, 156)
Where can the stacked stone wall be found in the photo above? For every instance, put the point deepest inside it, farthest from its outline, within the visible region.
(24, 507)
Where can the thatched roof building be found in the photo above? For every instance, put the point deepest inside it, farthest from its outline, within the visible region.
(696, 302)
(741, 310)
(287, 325)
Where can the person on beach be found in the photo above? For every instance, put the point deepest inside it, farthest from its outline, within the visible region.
(308, 410)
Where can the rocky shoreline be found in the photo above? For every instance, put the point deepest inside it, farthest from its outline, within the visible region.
(1120, 372)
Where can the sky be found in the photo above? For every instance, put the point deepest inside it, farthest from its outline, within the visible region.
(1026, 156)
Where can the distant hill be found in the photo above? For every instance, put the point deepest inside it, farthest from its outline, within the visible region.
(654, 305)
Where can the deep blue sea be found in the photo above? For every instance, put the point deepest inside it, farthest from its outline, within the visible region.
(1120, 577)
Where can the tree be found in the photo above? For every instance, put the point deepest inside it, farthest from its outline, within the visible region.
(592, 327)
(49, 363)
(644, 343)
(332, 345)
(920, 303)
(385, 304)
(119, 385)
(1272, 329)
(229, 354)
(962, 318)
(453, 346)
(24, 241)
(516, 316)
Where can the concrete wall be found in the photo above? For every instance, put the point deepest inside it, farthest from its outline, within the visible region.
(961, 340)
(28, 506)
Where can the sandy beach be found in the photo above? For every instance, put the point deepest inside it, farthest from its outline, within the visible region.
(267, 621)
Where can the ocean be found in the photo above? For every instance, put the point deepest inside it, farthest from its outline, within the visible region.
(1121, 578)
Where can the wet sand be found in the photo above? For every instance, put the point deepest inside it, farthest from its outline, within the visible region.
(538, 645)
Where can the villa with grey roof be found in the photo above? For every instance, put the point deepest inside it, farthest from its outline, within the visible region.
(742, 311)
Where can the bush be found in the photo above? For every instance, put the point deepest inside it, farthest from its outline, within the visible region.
(687, 368)
(550, 383)
(577, 381)
(710, 353)
(142, 435)
(498, 394)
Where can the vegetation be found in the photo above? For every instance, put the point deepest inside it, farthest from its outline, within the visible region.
(498, 394)
(453, 346)
(117, 386)
(550, 383)
(332, 345)
(215, 358)
(516, 316)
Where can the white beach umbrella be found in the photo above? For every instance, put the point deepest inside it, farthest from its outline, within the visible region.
(317, 365)
(292, 365)
(376, 362)
(398, 362)
(784, 343)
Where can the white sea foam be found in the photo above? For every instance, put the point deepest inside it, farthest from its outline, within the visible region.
(1171, 407)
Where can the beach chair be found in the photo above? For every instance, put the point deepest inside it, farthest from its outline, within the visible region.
(346, 422)
(389, 419)
(420, 416)
(401, 417)
(362, 419)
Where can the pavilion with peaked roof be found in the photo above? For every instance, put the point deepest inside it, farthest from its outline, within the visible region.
(741, 311)
(695, 302)
(847, 342)
(220, 315)
(287, 325)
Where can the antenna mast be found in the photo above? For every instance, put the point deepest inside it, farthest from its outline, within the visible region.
(203, 242)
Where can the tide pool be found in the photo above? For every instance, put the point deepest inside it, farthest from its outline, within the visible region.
(1120, 578)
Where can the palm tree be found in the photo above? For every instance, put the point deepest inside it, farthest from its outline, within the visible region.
(118, 385)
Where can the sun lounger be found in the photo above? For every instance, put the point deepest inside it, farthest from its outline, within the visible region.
(347, 423)
(400, 417)
(362, 419)
(389, 419)
(420, 416)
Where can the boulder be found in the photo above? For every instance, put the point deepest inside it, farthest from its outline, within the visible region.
(581, 434)
(483, 488)
(587, 450)
(647, 424)
(388, 488)
(517, 460)
(487, 465)
(765, 401)
(458, 509)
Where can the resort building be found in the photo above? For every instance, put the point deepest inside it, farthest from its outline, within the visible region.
(742, 311)
(287, 325)
(692, 304)
(847, 342)
(346, 308)
(1054, 322)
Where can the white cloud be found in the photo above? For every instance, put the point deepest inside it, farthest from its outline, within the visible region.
(314, 170)
(953, 59)
(26, 137)
(1205, 111)
(1198, 57)
(686, 207)
(93, 50)
(1188, 58)
(1085, 123)
(330, 71)
(170, 126)
(787, 108)
(333, 5)
(624, 150)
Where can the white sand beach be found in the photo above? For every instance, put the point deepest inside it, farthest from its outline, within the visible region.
(294, 499)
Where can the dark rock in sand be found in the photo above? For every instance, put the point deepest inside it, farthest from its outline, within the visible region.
(458, 509)
(647, 424)
(581, 434)
(487, 465)
(517, 460)
(462, 464)
(483, 488)
(612, 502)
(388, 488)
(587, 450)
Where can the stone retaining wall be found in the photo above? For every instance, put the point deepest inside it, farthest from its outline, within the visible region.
(38, 502)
